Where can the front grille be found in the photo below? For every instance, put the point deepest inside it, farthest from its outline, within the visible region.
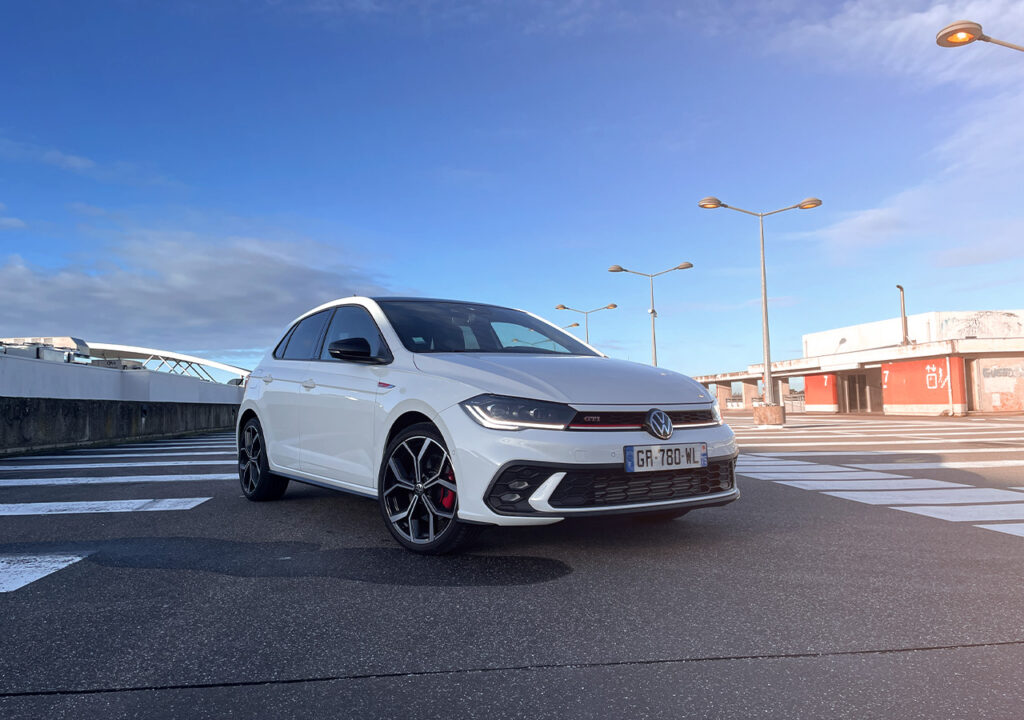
(600, 488)
(632, 419)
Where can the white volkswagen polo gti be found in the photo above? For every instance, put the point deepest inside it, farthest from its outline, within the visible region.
(457, 415)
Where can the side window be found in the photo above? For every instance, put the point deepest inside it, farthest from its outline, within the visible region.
(353, 321)
(305, 336)
(279, 350)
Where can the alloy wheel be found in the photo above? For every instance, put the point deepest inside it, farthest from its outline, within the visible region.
(250, 454)
(418, 490)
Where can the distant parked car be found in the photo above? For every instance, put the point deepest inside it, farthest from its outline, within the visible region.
(457, 415)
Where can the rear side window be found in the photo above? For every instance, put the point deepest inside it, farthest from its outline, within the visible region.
(352, 321)
(305, 338)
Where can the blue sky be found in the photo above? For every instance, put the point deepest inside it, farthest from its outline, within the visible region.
(193, 175)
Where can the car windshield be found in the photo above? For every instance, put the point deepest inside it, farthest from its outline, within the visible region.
(438, 327)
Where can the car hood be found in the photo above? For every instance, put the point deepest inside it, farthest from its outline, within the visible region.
(581, 380)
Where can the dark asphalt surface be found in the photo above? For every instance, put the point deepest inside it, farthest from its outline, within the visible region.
(787, 603)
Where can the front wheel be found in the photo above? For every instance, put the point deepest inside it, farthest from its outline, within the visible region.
(258, 483)
(418, 494)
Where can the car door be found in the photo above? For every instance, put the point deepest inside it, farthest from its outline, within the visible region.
(338, 426)
(283, 393)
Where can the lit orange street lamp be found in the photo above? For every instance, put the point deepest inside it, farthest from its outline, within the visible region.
(964, 32)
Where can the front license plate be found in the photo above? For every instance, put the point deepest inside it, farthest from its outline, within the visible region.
(648, 458)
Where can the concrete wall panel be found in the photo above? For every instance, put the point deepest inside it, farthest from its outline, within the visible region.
(821, 393)
(924, 387)
(32, 424)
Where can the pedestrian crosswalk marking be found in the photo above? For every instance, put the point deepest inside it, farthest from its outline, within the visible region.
(17, 571)
(970, 513)
(838, 474)
(100, 506)
(907, 484)
(112, 479)
(1008, 528)
(960, 464)
(92, 466)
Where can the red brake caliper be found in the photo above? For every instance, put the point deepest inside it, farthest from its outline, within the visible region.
(447, 496)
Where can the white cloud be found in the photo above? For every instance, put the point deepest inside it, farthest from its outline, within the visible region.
(968, 211)
(11, 223)
(112, 172)
(898, 38)
(175, 290)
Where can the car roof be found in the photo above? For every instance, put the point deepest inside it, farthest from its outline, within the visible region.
(396, 298)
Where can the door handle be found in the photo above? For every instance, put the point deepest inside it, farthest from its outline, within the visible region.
(268, 379)
(309, 384)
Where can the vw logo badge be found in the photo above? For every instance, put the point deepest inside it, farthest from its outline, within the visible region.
(658, 424)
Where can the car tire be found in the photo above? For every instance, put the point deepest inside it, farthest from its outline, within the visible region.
(258, 483)
(418, 494)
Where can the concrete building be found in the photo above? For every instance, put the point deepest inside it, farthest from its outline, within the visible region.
(952, 363)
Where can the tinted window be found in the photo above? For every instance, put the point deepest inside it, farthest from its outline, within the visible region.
(351, 321)
(429, 326)
(279, 350)
(305, 336)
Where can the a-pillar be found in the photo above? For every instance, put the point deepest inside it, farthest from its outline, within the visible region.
(749, 392)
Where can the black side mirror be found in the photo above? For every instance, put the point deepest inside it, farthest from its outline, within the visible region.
(355, 349)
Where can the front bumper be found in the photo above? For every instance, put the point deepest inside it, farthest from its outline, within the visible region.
(578, 473)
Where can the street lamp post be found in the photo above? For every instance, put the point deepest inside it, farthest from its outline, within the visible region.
(652, 311)
(710, 203)
(586, 316)
(903, 316)
(964, 32)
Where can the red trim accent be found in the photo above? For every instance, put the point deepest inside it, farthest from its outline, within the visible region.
(595, 425)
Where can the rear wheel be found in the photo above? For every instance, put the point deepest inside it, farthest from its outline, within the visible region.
(258, 483)
(418, 494)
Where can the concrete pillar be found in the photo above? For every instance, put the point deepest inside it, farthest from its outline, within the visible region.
(749, 393)
(723, 392)
(783, 389)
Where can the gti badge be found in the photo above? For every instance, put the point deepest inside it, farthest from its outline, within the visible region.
(658, 424)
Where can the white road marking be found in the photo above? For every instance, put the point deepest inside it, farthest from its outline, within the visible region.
(101, 506)
(908, 484)
(943, 464)
(90, 466)
(13, 461)
(17, 571)
(930, 497)
(134, 448)
(970, 513)
(1008, 528)
(913, 451)
(40, 482)
(872, 443)
(826, 475)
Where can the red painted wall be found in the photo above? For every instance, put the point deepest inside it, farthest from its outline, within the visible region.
(923, 382)
(820, 390)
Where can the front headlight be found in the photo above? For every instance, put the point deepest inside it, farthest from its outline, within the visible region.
(508, 413)
(716, 412)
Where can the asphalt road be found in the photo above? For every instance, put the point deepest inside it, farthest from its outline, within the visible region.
(872, 569)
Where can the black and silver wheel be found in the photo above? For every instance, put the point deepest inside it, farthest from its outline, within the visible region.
(418, 493)
(258, 483)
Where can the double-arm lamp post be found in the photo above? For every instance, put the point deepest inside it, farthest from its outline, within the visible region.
(710, 203)
(652, 311)
(586, 316)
